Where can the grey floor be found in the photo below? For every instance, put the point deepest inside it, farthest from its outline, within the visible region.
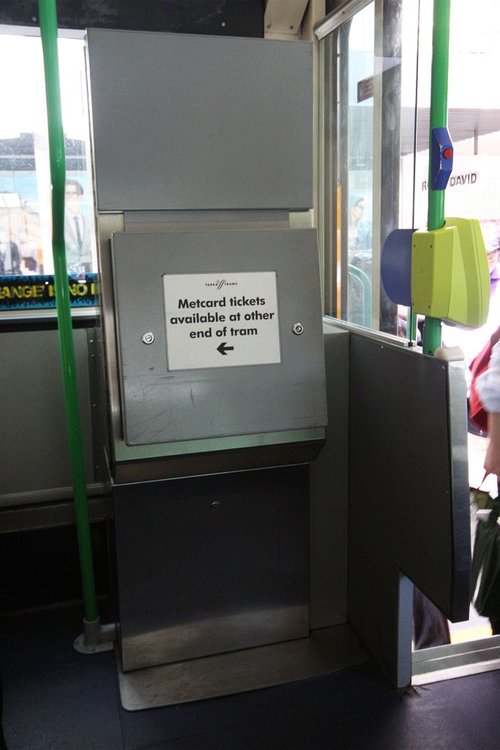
(56, 698)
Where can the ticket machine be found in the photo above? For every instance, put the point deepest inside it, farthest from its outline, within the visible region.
(213, 346)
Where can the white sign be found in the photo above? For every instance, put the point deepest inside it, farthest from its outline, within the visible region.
(473, 189)
(221, 320)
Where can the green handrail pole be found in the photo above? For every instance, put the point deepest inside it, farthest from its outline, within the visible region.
(438, 119)
(48, 29)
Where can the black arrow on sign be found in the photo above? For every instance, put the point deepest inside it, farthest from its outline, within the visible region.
(224, 348)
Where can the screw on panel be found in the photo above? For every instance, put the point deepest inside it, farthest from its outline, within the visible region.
(148, 337)
(298, 328)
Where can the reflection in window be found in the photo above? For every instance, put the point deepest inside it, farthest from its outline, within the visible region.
(356, 170)
(360, 167)
(25, 193)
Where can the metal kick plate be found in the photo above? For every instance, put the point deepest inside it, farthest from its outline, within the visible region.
(324, 651)
(211, 564)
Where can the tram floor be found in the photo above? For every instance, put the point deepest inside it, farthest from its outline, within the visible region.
(56, 698)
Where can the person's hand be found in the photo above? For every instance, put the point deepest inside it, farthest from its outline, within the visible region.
(492, 457)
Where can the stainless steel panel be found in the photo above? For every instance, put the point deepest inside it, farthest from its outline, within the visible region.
(34, 447)
(162, 405)
(211, 564)
(261, 455)
(456, 660)
(200, 122)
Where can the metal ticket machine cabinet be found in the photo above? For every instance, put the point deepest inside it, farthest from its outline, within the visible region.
(213, 348)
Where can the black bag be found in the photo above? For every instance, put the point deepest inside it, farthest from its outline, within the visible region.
(486, 565)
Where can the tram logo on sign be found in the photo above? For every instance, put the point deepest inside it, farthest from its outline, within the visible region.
(221, 321)
(219, 283)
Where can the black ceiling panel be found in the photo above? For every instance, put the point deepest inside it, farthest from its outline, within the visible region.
(227, 17)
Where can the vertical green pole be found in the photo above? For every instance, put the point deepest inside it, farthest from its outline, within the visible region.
(438, 119)
(48, 29)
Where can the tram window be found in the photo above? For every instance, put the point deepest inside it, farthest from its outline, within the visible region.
(473, 115)
(26, 263)
(357, 203)
(376, 102)
(349, 208)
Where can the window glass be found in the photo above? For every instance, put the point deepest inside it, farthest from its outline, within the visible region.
(26, 264)
(473, 190)
(473, 112)
(356, 149)
(376, 171)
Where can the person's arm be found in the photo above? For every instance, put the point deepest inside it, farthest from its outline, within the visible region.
(488, 388)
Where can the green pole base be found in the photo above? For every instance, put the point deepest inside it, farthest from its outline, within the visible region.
(95, 638)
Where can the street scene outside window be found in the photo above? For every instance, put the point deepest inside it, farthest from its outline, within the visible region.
(26, 265)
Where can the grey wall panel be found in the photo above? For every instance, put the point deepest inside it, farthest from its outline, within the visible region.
(34, 453)
(408, 492)
(198, 122)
